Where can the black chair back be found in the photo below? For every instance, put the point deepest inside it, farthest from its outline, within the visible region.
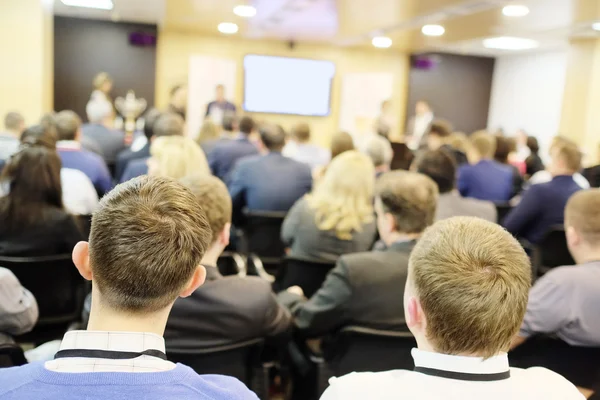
(11, 355)
(231, 263)
(552, 251)
(309, 275)
(502, 209)
(262, 236)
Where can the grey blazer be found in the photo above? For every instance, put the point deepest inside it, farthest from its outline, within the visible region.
(452, 204)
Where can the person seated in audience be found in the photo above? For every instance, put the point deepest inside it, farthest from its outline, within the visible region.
(269, 182)
(440, 166)
(340, 143)
(128, 155)
(484, 178)
(78, 193)
(68, 126)
(222, 319)
(178, 101)
(362, 288)
(300, 149)
(543, 205)
(504, 148)
(464, 300)
(545, 176)
(459, 142)
(337, 216)
(380, 152)
(439, 138)
(176, 156)
(99, 129)
(18, 308)
(592, 174)
(208, 136)
(150, 228)
(33, 221)
(225, 154)
(14, 125)
(533, 162)
(166, 124)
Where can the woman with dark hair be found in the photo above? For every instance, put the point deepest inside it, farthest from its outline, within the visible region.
(533, 162)
(505, 146)
(33, 221)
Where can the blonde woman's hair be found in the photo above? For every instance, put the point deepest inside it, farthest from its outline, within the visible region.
(178, 156)
(208, 132)
(343, 199)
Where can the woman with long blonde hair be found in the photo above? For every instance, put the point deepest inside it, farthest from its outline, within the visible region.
(176, 157)
(337, 216)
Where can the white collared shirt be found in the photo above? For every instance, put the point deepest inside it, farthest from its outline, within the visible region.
(79, 194)
(68, 145)
(530, 384)
(111, 341)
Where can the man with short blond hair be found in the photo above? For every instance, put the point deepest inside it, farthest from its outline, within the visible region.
(301, 149)
(464, 300)
(211, 316)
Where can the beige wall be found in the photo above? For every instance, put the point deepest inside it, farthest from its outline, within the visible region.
(26, 70)
(175, 49)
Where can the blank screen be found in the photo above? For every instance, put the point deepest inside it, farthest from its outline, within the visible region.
(282, 85)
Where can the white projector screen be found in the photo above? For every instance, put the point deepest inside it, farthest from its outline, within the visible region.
(283, 85)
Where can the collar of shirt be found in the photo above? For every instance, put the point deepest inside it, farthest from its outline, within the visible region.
(468, 365)
(68, 145)
(111, 341)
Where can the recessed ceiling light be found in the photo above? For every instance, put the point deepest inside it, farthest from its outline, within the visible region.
(515, 10)
(433, 30)
(244, 11)
(228, 28)
(509, 43)
(382, 42)
(596, 26)
(99, 4)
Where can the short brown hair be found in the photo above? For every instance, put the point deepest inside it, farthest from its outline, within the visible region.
(440, 128)
(472, 279)
(147, 238)
(67, 124)
(569, 153)
(410, 197)
(246, 125)
(212, 195)
(582, 214)
(440, 166)
(483, 143)
(168, 124)
(341, 142)
(301, 132)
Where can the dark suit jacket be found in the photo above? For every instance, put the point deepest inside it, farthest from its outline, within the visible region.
(126, 156)
(363, 289)
(486, 180)
(225, 310)
(223, 157)
(134, 169)
(268, 183)
(592, 174)
(110, 141)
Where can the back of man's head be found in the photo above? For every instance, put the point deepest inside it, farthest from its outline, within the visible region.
(246, 125)
(440, 166)
(169, 124)
(301, 132)
(566, 158)
(98, 111)
(67, 125)
(229, 122)
(273, 137)
(410, 197)
(379, 150)
(212, 195)
(582, 216)
(441, 129)
(13, 121)
(471, 279)
(150, 119)
(148, 236)
(484, 144)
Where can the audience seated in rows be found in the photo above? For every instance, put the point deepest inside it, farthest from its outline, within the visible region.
(14, 125)
(68, 126)
(440, 166)
(362, 289)
(543, 205)
(176, 156)
(337, 216)
(33, 221)
(99, 129)
(545, 176)
(340, 143)
(300, 148)
(484, 178)
(439, 137)
(464, 300)
(380, 152)
(18, 308)
(269, 182)
(129, 154)
(459, 143)
(533, 162)
(223, 157)
(211, 316)
(504, 148)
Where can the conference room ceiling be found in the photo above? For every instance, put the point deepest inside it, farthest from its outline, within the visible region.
(353, 23)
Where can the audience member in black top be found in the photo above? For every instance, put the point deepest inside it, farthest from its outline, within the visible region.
(362, 289)
(505, 146)
(33, 221)
(533, 162)
(224, 310)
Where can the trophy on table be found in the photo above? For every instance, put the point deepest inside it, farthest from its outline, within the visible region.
(130, 108)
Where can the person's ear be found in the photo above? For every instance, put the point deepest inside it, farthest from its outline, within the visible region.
(573, 238)
(414, 315)
(225, 235)
(81, 259)
(197, 280)
(390, 222)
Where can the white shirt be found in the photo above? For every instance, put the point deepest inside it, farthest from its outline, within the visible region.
(530, 384)
(79, 195)
(545, 177)
(113, 341)
(422, 122)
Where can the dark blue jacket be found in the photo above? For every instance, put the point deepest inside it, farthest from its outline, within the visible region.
(542, 206)
(225, 154)
(127, 156)
(486, 180)
(134, 169)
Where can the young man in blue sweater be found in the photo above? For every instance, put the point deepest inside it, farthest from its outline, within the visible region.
(146, 243)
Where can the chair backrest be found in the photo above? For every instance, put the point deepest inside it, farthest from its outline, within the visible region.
(262, 235)
(502, 209)
(363, 349)
(55, 283)
(309, 275)
(231, 263)
(11, 355)
(552, 251)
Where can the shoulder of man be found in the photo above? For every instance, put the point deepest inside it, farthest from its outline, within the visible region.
(550, 384)
(220, 387)
(16, 379)
(359, 385)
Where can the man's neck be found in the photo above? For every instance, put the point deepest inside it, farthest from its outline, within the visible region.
(211, 257)
(15, 134)
(401, 237)
(563, 172)
(586, 256)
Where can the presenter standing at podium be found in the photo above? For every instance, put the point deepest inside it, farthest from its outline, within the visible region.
(418, 125)
(218, 107)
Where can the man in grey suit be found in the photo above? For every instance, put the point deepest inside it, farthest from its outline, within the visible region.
(440, 166)
(111, 142)
(363, 289)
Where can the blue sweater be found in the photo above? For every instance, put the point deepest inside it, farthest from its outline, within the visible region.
(34, 382)
(486, 180)
(90, 164)
(542, 206)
